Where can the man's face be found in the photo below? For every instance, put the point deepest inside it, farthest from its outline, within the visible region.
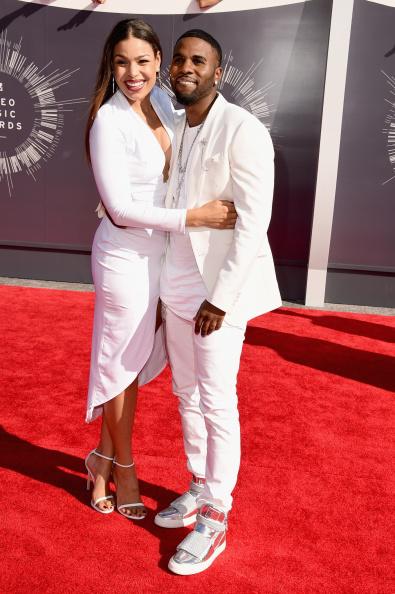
(193, 70)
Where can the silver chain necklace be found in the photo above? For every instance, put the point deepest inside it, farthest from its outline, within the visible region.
(182, 168)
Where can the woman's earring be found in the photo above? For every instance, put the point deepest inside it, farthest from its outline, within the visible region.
(159, 79)
(113, 85)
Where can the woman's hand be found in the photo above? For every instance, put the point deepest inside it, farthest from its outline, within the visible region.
(207, 3)
(216, 214)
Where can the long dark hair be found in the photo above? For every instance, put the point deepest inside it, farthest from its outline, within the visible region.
(103, 88)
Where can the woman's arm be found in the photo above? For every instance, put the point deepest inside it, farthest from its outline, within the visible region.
(110, 169)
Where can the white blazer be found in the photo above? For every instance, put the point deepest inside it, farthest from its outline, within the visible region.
(233, 160)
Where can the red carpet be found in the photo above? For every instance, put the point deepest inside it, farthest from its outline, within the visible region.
(314, 507)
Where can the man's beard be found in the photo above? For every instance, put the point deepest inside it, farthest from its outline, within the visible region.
(189, 99)
(199, 93)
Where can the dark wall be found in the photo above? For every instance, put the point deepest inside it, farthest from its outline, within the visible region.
(362, 252)
(275, 67)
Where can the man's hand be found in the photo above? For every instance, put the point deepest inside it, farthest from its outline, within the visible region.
(208, 319)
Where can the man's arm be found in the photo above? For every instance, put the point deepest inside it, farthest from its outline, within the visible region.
(252, 172)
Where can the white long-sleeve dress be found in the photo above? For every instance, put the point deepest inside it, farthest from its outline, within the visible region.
(128, 163)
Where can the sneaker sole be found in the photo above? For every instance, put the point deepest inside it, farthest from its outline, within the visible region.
(166, 523)
(187, 569)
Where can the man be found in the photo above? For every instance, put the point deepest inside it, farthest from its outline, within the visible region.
(212, 283)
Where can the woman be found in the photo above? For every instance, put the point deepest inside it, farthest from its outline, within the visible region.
(128, 142)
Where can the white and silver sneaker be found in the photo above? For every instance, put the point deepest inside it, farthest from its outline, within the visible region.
(182, 511)
(202, 546)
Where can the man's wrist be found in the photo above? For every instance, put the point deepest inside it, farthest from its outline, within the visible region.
(215, 309)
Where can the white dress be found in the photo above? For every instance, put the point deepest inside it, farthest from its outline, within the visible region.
(127, 162)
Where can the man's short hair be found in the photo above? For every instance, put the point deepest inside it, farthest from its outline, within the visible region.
(200, 34)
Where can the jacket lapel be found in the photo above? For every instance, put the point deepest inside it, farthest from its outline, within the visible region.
(179, 127)
(195, 168)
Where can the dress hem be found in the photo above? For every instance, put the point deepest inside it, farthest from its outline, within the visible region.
(152, 367)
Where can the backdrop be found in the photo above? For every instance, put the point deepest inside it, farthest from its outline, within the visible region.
(362, 253)
(274, 66)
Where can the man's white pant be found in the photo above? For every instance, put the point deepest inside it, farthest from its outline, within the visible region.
(204, 373)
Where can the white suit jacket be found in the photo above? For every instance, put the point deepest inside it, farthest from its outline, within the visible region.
(233, 160)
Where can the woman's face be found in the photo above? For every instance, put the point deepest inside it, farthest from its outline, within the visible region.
(135, 68)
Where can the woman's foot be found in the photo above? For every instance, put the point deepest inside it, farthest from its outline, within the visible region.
(128, 494)
(99, 469)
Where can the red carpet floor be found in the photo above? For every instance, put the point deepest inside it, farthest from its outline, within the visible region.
(314, 508)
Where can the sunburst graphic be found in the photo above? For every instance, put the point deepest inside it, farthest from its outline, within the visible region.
(389, 129)
(240, 88)
(243, 91)
(29, 146)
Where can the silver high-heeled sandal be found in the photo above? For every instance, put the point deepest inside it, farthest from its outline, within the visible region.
(129, 505)
(91, 477)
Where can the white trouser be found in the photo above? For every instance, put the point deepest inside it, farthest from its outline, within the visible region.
(204, 371)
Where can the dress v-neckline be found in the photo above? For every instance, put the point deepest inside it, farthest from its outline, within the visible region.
(156, 107)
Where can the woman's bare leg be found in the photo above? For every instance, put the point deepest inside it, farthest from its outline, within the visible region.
(102, 468)
(119, 417)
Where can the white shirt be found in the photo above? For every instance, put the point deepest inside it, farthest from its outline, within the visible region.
(182, 288)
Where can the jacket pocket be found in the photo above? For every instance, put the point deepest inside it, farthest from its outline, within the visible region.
(211, 162)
